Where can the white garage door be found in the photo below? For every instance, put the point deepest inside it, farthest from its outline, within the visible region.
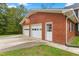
(36, 30)
(26, 30)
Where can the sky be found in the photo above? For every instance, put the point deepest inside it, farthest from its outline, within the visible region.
(39, 5)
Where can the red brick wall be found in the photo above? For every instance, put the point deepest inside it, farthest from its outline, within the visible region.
(59, 25)
(70, 35)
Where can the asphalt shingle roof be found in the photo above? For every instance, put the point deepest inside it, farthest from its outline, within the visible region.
(74, 6)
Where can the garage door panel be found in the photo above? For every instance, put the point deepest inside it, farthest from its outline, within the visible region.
(26, 30)
(36, 31)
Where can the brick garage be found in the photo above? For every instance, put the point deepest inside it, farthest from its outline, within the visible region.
(59, 29)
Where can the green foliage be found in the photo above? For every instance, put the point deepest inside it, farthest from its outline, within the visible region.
(10, 19)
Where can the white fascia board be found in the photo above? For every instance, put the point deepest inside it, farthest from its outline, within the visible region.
(75, 16)
(66, 10)
(22, 20)
(48, 10)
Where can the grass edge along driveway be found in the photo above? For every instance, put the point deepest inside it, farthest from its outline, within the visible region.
(42, 50)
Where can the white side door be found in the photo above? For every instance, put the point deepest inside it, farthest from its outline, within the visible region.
(48, 31)
(26, 30)
(36, 30)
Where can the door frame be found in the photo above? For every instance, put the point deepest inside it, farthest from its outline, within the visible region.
(46, 28)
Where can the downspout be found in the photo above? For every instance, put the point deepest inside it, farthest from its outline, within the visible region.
(66, 30)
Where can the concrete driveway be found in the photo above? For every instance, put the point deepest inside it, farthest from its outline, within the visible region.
(16, 42)
(7, 39)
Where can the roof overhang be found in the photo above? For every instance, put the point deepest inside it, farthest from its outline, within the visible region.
(23, 20)
(71, 14)
(67, 12)
(47, 11)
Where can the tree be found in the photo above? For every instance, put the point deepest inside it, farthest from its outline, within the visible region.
(3, 20)
(10, 19)
(15, 16)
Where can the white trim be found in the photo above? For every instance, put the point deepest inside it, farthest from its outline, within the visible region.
(75, 16)
(46, 31)
(22, 20)
(25, 18)
(64, 11)
(33, 11)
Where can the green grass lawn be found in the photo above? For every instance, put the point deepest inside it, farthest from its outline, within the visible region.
(42, 50)
(75, 41)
